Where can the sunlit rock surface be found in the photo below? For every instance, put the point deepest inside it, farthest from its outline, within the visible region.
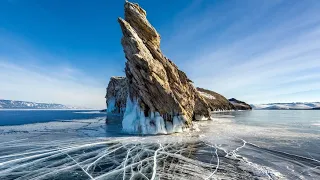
(215, 101)
(156, 85)
(155, 97)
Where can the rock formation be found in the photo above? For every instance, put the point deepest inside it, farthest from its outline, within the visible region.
(157, 88)
(157, 96)
(216, 101)
(116, 97)
(240, 105)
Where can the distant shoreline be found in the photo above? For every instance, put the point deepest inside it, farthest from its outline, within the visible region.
(50, 109)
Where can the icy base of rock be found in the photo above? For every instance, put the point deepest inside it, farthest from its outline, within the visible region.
(201, 118)
(135, 122)
(112, 108)
(111, 105)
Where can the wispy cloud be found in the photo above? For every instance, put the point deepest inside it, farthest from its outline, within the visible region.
(24, 83)
(24, 76)
(268, 51)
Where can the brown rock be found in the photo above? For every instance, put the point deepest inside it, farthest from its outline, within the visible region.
(240, 105)
(155, 97)
(116, 97)
(154, 80)
(216, 101)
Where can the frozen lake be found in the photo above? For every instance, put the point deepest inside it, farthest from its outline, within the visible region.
(234, 145)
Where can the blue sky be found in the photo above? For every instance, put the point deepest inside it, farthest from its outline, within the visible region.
(65, 51)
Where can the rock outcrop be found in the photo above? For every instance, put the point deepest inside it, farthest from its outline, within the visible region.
(155, 96)
(216, 101)
(116, 97)
(240, 105)
(157, 88)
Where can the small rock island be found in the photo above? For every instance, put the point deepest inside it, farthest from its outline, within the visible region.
(155, 97)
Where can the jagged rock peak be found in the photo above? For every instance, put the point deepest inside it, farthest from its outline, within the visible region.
(137, 18)
(155, 82)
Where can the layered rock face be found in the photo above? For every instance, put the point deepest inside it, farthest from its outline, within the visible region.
(216, 101)
(116, 97)
(160, 95)
(213, 101)
(155, 96)
(240, 105)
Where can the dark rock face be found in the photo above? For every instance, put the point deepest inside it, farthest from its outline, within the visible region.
(240, 105)
(116, 97)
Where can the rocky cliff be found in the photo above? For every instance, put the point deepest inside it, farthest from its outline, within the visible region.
(216, 101)
(116, 97)
(240, 105)
(157, 96)
(161, 94)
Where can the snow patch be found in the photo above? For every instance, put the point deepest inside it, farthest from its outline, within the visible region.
(209, 96)
(201, 118)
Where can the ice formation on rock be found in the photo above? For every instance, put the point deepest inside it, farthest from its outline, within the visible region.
(135, 121)
(157, 97)
(156, 85)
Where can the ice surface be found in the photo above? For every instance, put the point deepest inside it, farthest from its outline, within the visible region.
(129, 158)
(86, 127)
(88, 112)
(220, 149)
(316, 124)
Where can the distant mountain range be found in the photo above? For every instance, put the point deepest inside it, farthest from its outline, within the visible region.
(288, 106)
(10, 104)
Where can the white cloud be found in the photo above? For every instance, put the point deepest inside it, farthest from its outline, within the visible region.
(30, 73)
(267, 51)
(24, 83)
